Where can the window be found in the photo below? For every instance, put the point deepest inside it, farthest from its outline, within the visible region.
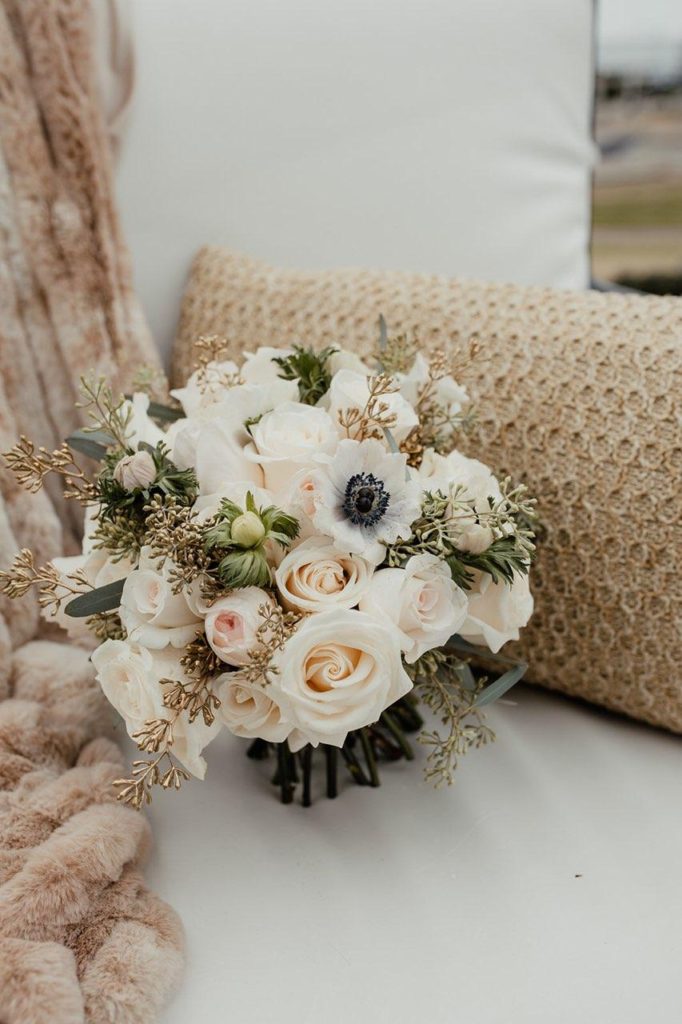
(637, 218)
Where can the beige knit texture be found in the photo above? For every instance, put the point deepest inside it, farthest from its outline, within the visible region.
(578, 396)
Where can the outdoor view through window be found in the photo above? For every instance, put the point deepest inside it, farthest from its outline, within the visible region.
(637, 237)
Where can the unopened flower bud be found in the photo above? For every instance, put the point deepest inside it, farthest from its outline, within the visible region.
(135, 471)
(247, 530)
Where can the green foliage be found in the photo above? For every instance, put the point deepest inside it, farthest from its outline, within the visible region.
(97, 601)
(244, 568)
(505, 558)
(245, 562)
(439, 527)
(395, 353)
(120, 535)
(310, 369)
(445, 683)
(169, 482)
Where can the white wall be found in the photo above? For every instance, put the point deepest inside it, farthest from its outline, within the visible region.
(436, 135)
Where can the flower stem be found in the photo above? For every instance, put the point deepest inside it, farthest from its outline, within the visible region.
(354, 766)
(330, 754)
(369, 758)
(389, 750)
(286, 788)
(407, 715)
(306, 771)
(398, 735)
(258, 750)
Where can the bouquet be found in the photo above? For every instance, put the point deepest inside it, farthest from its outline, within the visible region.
(293, 549)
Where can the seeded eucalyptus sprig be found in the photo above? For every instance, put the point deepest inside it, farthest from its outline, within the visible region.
(310, 369)
(242, 533)
(436, 532)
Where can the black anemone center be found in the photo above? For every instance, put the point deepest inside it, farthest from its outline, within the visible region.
(366, 499)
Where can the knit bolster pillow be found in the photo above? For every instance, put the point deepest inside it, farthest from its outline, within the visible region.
(576, 391)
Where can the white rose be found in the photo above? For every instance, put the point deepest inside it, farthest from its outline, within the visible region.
(182, 437)
(130, 677)
(316, 575)
(350, 390)
(150, 612)
(259, 366)
(207, 386)
(221, 458)
(448, 393)
(221, 440)
(287, 439)
(248, 709)
(343, 359)
(338, 672)
(497, 611)
(141, 427)
(422, 601)
(231, 623)
(98, 569)
(477, 485)
(135, 471)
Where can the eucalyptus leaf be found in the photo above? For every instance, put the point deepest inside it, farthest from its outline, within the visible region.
(383, 332)
(467, 677)
(93, 443)
(392, 444)
(515, 670)
(102, 599)
(505, 682)
(159, 411)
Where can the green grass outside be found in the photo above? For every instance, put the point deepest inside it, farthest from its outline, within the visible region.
(638, 206)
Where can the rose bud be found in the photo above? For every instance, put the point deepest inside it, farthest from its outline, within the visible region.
(135, 472)
(247, 530)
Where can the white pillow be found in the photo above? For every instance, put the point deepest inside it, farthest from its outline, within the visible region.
(437, 135)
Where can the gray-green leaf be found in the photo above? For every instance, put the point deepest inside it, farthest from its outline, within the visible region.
(93, 443)
(102, 599)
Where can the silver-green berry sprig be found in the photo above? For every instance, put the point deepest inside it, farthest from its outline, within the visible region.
(242, 533)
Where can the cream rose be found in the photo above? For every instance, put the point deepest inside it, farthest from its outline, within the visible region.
(220, 440)
(350, 390)
(207, 386)
(338, 672)
(130, 676)
(497, 611)
(447, 392)
(259, 366)
(141, 427)
(231, 623)
(477, 486)
(316, 575)
(248, 709)
(287, 440)
(344, 359)
(422, 601)
(150, 612)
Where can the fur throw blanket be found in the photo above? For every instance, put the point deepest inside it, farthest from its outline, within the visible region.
(81, 938)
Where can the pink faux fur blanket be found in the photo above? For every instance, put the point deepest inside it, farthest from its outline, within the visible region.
(81, 938)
